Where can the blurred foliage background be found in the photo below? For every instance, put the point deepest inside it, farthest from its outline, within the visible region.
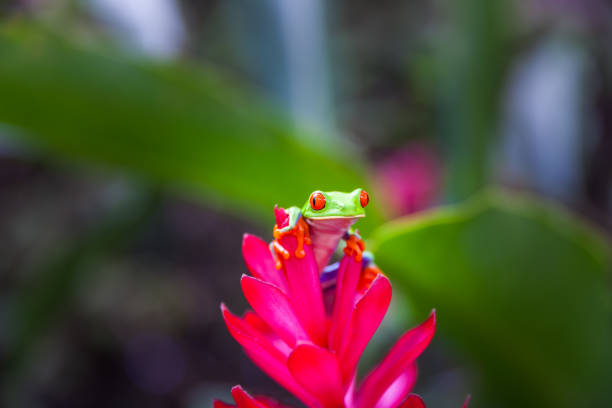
(140, 139)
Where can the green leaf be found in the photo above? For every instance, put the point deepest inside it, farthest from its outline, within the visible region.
(521, 289)
(184, 126)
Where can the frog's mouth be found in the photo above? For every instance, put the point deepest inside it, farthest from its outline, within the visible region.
(335, 226)
(338, 217)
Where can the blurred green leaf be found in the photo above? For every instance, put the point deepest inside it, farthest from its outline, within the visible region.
(180, 125)
(472, 58)
(521, 289)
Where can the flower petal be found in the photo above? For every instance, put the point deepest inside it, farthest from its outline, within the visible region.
(259, 261)
(284, 378)
(264, 354)
(270, 403)
(275, 308)
(317, 370)
(413, 401)
(399, 359)
(249, 337)
(398, 390)
(257, 323)
(262, 327)
(244, 400)
(369, 313)
(281, 216)
(221, 404)
(305, 290)
(349, 395)
(348, 277)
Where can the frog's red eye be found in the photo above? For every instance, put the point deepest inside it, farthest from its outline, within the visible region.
(364, 198)
(317, 200)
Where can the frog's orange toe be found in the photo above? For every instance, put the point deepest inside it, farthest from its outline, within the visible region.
(300, 232)
(354, 247)
(368, 275)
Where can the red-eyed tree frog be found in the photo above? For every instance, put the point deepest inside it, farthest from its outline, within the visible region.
(322, 221)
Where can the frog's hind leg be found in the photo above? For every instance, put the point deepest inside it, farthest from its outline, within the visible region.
(369, 272)
(329, 275)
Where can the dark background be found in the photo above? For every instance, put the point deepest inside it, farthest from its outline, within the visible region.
(139, 140)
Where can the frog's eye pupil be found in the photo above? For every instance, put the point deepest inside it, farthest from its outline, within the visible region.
(317, 200)
(364, 198)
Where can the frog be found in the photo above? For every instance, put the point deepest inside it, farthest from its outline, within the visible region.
(325, 219)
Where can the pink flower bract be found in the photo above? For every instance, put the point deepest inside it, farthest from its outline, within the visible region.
(311, 351)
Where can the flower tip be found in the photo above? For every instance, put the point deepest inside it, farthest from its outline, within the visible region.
(225, 312)
(413, 401)
(381, 277)
(245, 280)
(250, 240)
(467, 401)
(243, 398)
(246, 237)
(237, 388)
(432, 320)
(250, 246)
(221, 404)
(282, 218)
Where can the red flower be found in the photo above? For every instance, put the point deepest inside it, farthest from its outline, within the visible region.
(311, 351)
(244, 400)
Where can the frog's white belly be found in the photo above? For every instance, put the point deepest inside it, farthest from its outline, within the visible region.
(325, 234)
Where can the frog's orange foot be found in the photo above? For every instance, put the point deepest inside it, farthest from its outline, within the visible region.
(368, 275)
(302, 235)
(280, 250)
(354, 247)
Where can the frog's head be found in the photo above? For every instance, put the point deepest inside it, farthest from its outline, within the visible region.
(334, 204)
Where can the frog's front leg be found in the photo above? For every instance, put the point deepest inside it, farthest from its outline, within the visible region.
(278, 252)
(354, 245)
(296, 227)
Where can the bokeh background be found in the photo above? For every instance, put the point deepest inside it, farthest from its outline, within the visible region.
(139, 139)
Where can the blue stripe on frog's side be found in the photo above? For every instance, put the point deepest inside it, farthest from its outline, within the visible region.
(329, 275)
(330, 272)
